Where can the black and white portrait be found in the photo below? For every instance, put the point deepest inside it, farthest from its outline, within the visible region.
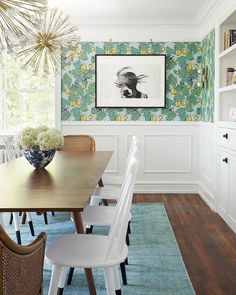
(130, 80)
(127, 82)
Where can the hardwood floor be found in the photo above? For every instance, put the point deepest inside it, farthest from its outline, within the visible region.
(207, 244)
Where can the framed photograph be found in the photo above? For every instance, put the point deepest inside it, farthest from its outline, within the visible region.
(130, 81)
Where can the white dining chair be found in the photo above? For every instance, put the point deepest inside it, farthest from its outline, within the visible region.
(112, 191)
(11, 154)
(104, 216)
(92, 251)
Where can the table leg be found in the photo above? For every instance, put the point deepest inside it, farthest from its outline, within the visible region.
(88, 271)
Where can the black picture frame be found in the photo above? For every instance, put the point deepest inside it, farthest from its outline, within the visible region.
(129, 80)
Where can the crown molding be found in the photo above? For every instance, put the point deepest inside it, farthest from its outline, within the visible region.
(205, 10)
(133, 21)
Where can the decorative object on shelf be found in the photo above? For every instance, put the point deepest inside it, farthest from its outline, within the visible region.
(234, 77)
(130, 80)
(229, 38)
(202, 82)
(16, 16)
(39, 144)
(44, 45)
(229, 76)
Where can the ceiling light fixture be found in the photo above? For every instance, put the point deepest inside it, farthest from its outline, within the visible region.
(15, 17)
(44, 43)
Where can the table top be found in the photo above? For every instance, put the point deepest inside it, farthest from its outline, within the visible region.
(64, 185)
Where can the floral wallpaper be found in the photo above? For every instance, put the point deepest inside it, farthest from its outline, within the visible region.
(208, 91)
(183, 96)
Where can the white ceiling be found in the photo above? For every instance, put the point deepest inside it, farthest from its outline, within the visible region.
(153, 11)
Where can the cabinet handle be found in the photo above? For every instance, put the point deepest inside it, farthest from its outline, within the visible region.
(226, 135)
(225, 160)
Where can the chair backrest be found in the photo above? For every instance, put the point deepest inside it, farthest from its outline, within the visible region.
(21, 267)
(133, 145)
(119, 226)
(11, 151)
(134, 153)
(78, 143)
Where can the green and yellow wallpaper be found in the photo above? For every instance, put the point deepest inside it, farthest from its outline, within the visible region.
(183, 96)
(208, 91)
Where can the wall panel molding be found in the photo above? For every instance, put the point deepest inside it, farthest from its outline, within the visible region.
(177, 138)
(168, 148)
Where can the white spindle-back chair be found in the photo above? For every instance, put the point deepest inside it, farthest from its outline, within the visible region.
(90, 251)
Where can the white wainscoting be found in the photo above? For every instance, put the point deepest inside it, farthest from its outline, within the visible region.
(169, 152)
(207, 166)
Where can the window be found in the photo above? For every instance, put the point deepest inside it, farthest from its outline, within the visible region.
(26, 99)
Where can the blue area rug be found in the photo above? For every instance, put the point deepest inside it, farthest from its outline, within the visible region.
(155, 263)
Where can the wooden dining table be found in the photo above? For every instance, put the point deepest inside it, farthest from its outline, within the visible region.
(66, 184)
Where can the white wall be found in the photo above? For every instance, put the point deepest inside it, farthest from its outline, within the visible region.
(139, 32)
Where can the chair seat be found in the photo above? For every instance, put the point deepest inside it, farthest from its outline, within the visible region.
(81, 250)
(99, 215)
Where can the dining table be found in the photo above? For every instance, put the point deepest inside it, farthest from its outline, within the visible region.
(66, 184)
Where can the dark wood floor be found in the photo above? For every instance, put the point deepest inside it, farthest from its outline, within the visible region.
(207, 244)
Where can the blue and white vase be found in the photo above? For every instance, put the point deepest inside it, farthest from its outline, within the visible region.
(38, 158)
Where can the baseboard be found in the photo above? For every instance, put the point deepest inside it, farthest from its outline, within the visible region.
(166, 187)
(207, 196)
(148, 187)
(154, 187)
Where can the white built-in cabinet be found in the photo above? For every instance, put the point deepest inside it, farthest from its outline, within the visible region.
(226, 128)
(227, 186)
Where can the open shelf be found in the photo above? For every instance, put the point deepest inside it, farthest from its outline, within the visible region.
(225, 59)
(231, 51)
(227, 88)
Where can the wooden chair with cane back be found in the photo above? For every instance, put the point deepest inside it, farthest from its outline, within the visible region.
(80, 143)
(21, 267)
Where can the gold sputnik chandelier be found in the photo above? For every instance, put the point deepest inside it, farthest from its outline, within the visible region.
(15, 18)
(44, 43)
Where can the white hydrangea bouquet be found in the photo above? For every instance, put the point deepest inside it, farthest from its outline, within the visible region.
(39, 144)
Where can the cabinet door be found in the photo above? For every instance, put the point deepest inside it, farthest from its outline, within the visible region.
(223, 183)
(232, 189)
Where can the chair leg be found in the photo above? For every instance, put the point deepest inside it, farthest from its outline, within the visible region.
(123, 273)
(11, 219)
(53, 213)
(61, 285)
(109, 280)
(126, 261)
(55, 279)
(23, 218)
(17, 227)
(129, 228)
(30, 222)
(70, 275)
(45, 217)
(127, 238)
(117, 280)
